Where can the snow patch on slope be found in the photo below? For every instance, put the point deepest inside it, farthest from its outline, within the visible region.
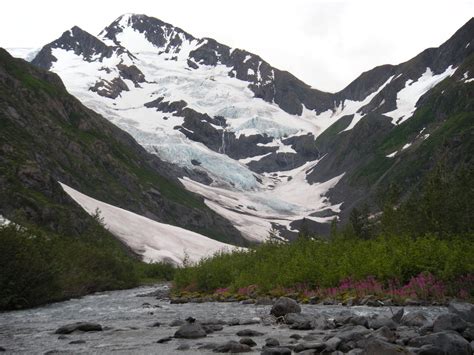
(154, 241)
(355, 104)
(413, 90)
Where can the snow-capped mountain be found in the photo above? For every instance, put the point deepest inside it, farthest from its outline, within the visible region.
(263, 148)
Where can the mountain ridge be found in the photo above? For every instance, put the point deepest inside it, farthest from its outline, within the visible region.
(176, 93)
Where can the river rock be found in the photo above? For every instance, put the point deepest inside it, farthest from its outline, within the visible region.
(248, 333)
(190, 331)
(211, 328)
(272, 342)
(285, 305)
(415, 319)
(382, 322)
(301, 321)
(385, 333)
(430, 350)
(397, 317)
(213, 321)
(449, 321)
(275, 351)
(463, 309)
(164, 340)
(332, 344)
(359, 320)
(232, 347)
(233, 322)
(352, 333)
(81, 326)
(309, 345)
(450, 342)
(248, 341)
(469, 333)
(376, 346)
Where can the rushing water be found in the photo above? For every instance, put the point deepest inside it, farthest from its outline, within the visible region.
(128, 324)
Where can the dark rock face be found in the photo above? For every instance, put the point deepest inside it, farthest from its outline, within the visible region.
(191, 331)
(131, 73)
(285, 305)
(110, 89)
(77, 40)
(81, 326)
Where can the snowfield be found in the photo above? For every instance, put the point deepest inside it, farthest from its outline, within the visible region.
(152, 240)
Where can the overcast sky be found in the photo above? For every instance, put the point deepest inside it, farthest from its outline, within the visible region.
(327, 43)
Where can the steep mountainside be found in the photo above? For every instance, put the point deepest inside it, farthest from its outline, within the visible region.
(263, 148)
(47, 136)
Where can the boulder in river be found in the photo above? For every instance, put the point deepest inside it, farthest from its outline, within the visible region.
(397, 317)
(285, 305)
(415, 319)
(449, 321)
(463, 309)
(376, 346)
(248, 333)
(309, 345)
(248, 341)
(80, 326)
(450, 342)
(190, 331)
(272, 342)
(380, 322)
(232, 347)
(164, 340)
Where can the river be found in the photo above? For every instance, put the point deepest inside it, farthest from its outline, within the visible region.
(128, 320)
